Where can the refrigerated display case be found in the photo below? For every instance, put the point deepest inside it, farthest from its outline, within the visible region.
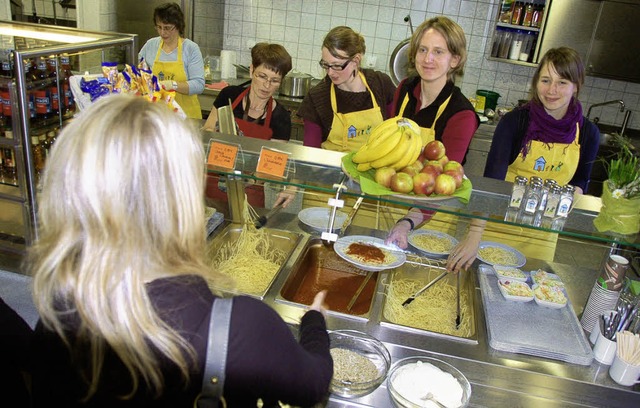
(36, 103)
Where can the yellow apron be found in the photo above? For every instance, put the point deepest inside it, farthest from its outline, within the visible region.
(349, 131)
(557, 161)
(174, 70)
(427, 134)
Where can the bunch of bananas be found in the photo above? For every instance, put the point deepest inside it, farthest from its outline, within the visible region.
(396, 143)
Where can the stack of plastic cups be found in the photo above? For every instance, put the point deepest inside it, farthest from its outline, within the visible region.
(605, 292)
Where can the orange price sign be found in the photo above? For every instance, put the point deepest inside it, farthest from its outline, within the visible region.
(272, 162)
(222, 154)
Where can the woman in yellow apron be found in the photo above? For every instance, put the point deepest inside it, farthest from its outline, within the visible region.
(340, 112)
(548, 138)
(175, 60)
(438, 53)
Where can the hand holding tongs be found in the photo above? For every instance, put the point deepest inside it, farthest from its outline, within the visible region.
(427, 286)
(263, 219)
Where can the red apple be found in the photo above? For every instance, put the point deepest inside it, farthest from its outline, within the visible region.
(424, 183)
(432, 166)
(434, 150)
(453, 165)
(445, 184)
(401, 183)
(409, 170)
(383, 176)
(443, 160)
(457, 176)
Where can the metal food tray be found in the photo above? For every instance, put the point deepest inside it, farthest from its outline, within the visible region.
(527, 328)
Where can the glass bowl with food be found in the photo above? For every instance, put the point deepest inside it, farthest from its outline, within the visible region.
(360, 363)
(414, 381)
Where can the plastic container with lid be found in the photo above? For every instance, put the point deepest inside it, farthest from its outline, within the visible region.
(516, 45)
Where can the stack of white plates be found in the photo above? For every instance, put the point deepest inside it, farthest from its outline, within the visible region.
(600, 300)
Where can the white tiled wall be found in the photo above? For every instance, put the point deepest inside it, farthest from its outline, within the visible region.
(300, 25)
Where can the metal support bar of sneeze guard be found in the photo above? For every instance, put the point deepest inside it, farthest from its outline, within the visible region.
(334, 203)
(236, 198)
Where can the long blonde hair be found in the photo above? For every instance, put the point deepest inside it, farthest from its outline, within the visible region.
(121, 204)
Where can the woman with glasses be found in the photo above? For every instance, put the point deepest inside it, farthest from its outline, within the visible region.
(340, 112)
(257, 113)
(175, 60)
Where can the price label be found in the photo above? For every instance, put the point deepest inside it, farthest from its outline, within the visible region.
(222, 154)
(272, 162)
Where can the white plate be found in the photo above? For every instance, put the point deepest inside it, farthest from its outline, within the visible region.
(546, 303)
(511, 297)
(541, 277)
(318, 218)
(343, 243)
(510, 272)
(520, 259)
(437, 234)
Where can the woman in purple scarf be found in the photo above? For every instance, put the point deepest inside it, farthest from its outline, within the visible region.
(548, 137)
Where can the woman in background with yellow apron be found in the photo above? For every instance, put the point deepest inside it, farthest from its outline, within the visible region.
(549, 138)
(175, 60)
(438, 53)
(341, 111)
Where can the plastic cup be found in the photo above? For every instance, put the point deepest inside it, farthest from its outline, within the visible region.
(623, 372)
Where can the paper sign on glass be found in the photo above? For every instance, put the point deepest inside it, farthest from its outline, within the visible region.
(272, 162)
(222, 154)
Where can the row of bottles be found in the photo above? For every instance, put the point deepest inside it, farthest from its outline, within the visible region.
(516, 45)
(47, 97)
(524, 13)
(541, 204)
(41, 142)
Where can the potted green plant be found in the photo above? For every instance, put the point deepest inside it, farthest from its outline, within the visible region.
(620, 212)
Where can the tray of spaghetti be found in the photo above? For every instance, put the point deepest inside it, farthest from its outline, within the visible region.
(514, 290)
(549, 296)
(497, 254)
(368, 253)
(541, 277)
(432, 243)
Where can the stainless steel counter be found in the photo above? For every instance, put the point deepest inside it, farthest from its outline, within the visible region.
(498, 378)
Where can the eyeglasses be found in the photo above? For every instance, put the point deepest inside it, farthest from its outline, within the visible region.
(335, 67)
(264, 79)
(168, 28)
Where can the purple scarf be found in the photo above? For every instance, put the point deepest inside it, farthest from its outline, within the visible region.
(546, 129)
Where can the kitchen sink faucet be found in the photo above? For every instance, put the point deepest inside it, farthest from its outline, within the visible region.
(618, 101)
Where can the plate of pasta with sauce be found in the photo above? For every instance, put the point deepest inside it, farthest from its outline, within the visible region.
(368, 253)
(497, 254)
(433, 243)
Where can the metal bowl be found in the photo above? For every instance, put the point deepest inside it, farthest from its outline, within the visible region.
(408, 373)
(365, 346)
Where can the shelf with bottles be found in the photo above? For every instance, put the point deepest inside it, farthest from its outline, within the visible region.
(518, 28)
(514, 45)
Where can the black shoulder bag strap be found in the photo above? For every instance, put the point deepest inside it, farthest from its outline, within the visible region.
(216, 359)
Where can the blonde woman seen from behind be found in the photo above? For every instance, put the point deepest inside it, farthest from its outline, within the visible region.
(119, 276)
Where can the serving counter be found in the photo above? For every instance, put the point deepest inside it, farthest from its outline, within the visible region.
(498, 378)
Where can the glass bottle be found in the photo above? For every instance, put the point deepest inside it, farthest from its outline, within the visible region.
(505, 11)
(517, 193)
(516, 46)
(516, 14)
(68, 105)
(9, 163)
(550, 209)
(497, 40)
(38, 156)
(530, 202)
(505, 44)
(544, 194)
(566, 200)
(528, 15)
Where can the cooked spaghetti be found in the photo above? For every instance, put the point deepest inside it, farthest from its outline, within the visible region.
(434, 310)
(498, 256)
(432, 243)
(251, 260)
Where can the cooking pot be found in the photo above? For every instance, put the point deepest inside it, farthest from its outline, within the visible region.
(399, 62)
(296, 84)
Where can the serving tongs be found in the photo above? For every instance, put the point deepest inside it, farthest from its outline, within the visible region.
(427, 286)
(260, 222)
